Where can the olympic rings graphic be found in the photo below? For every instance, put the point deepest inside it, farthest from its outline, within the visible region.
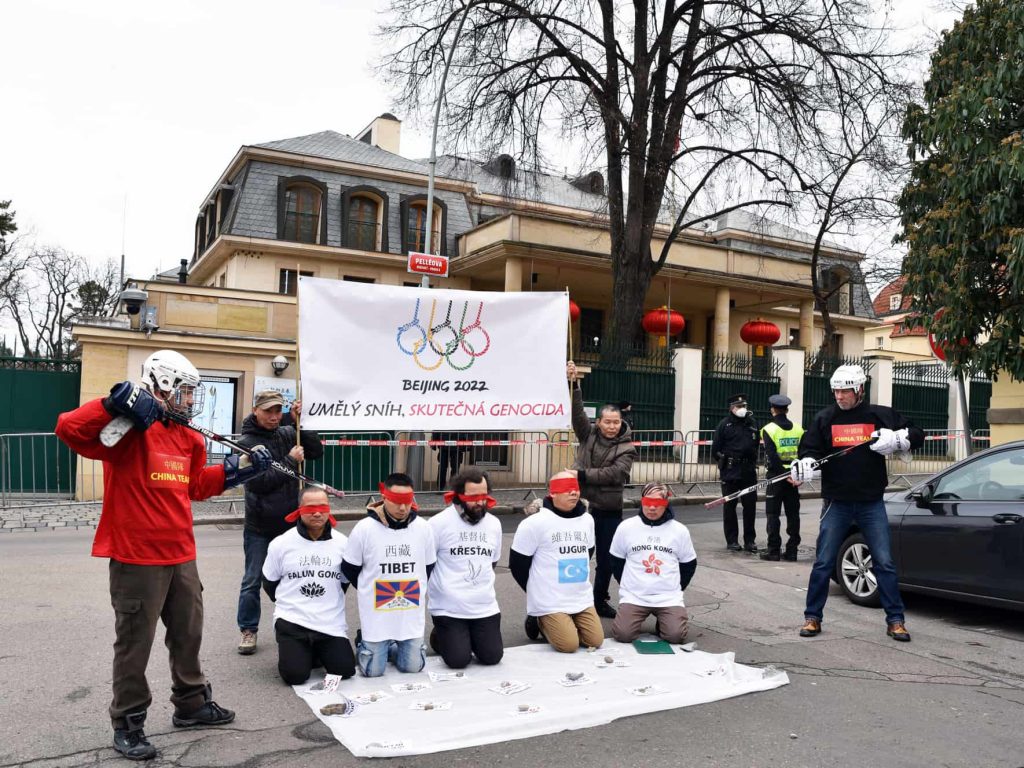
(414, 323)
(464, 331)
(434, 338)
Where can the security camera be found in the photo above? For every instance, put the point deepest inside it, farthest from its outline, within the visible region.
(133, 299)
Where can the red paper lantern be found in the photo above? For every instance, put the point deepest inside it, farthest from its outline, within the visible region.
(760, 334)
(574, 311)
(656, 321)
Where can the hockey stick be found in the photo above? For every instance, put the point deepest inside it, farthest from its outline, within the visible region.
(772, 480)
(276, 465)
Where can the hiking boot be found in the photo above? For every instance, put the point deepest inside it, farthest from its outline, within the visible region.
(247, 645)
(897, 631)
(810, 628)
(734, 546)
(789, 556)
(770, 554)
(210, 713)
(532, 627)
(604, 609)
(131, 741)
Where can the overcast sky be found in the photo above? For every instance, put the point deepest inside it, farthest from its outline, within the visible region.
(108, 99)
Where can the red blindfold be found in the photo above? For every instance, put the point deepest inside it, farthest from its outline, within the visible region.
(563, 485)
(450, 496)
(311, 509)
(653, 501)
(398, 498)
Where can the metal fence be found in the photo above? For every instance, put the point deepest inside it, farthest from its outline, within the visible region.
(727, 374)
(920, 391)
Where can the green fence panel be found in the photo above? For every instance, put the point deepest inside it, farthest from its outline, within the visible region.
(920, 392)
(645, 378)
(353, 468)
(725, 375)
(979, 399)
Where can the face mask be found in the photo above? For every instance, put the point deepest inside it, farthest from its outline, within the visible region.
(741, 413)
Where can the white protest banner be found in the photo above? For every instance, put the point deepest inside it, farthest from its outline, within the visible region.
(386, 357)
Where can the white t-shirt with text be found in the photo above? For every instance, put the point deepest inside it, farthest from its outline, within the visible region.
(652, 554)
(309, 593)
(462, 582)
(392, 585)
(560, 572)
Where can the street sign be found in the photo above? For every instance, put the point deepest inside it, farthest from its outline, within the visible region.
(939, 350)
(428, 264)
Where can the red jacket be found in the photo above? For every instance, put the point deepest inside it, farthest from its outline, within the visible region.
(148, 480)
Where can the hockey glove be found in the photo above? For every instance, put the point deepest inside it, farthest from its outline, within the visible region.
(890, 442)
(238, 469)
(135, 402)
(803, 470)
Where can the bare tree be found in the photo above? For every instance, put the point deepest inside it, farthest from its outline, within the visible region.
(858, 163)
(720, 93)
(51, 289)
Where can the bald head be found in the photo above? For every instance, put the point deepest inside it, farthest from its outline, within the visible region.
(564, 498)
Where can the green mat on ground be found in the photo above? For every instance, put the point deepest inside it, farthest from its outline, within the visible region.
(652, 646)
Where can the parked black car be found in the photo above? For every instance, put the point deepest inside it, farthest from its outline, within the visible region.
(959, 534)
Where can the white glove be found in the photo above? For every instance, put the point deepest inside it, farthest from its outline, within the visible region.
(890, 442)
(803, 470)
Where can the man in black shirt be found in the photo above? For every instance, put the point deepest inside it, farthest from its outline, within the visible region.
(852, 488)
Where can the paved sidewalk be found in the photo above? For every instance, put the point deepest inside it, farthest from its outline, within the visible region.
(52, 515)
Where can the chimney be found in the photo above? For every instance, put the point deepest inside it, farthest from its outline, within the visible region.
(384, 132)
(183, 272)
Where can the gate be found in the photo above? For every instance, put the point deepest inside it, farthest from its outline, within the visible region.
(978, 402)
(643, 377)
(726, 374)
(818, 370)
(920, 392)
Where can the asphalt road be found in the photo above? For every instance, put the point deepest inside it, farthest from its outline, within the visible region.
(952, 697)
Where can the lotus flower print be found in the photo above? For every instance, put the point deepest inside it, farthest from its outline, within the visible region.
(312, 590)
(652, 565)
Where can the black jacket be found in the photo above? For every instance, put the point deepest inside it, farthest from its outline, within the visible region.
(859, 475)
(735, 449)
(603, 465)
(272, 495)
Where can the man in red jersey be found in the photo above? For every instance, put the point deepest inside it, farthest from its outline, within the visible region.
(150, 477)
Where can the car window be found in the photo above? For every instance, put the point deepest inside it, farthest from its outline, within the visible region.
(997, 477)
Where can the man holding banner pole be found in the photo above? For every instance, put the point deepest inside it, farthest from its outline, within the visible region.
(603, 462)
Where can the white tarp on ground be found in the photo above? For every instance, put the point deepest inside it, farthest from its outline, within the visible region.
(387, 357)
(397, 725)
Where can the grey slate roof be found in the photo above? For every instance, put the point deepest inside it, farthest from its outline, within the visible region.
(751, 222)
(337, 146)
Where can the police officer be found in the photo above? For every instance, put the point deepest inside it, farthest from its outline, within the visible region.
(735, 450)
(781, 438)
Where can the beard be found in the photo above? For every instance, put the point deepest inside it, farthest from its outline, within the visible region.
(473, 514)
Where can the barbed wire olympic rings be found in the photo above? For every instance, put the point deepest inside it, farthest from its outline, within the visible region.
(414, 323)
(464, 331)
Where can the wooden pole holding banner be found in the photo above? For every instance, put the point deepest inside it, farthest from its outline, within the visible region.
(570, 345)
(298, 371)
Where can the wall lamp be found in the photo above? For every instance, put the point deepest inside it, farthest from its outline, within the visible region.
(279, 364)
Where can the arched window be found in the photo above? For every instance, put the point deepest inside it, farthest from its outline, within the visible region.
(302, 206)
(416, 234)
(363, 226)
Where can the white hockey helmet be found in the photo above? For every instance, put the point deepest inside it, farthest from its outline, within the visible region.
(171, 374)
(848, 377)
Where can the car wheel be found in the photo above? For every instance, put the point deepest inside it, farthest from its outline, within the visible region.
(853, 572)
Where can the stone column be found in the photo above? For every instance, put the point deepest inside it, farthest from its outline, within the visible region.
(791, 380)
(687, 362)
(881, 379)
(807, 324)
(513, 274)
(721, 342)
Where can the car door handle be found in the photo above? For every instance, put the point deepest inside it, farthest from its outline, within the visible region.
(1007, 518)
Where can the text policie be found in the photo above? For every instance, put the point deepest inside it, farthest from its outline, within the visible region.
(458, 409)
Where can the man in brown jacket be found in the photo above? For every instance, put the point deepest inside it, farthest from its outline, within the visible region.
(603, 462)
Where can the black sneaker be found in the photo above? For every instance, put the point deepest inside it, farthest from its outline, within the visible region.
(532, 627)
(211, 713)
(770, 554)
(131, 742)
(604, 609)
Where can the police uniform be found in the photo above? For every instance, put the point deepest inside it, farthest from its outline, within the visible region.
(735, 449)
(781, 438)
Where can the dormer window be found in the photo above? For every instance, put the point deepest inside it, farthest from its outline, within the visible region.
(300, 211)
(502, 166)
(895, 301)
(364, 217)
(414, 225)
